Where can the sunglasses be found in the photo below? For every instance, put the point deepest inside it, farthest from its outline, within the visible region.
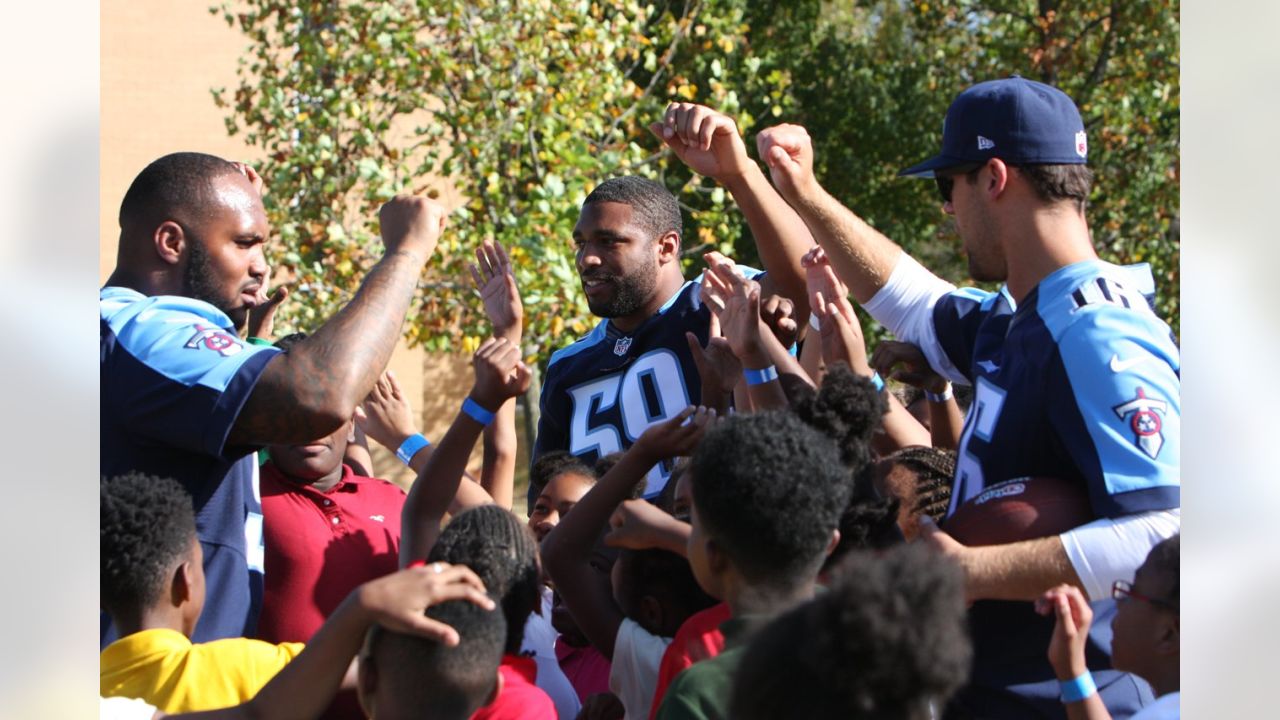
(946, 179)
(1121, 591)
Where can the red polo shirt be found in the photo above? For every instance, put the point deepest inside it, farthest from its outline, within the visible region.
(322, 545)
(520, 697)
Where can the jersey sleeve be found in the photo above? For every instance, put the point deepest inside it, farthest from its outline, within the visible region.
(1122, 419)
(179, 379)
(922, 309)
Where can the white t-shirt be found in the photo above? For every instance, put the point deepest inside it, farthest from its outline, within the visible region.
(540, 643)
(122, 708)
(634, 675)
(1166, 707)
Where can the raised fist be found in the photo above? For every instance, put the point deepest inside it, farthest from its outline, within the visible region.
(413, 223)
(788, 152)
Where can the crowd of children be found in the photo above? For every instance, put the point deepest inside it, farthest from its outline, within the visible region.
(789, 566)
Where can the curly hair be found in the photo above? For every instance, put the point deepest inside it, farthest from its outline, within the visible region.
(499, 548)
(550, 464)
(888, 640)
(147, 528)
(848, 409)
(653, 207)
(769, 489)
(453, 681)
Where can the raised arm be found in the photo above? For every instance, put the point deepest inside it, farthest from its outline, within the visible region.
(305, 687)
(768, 367)
(500, 375)
(314, 388)
(709, 143)
(497, 285)
(860, 254)
(566, 549)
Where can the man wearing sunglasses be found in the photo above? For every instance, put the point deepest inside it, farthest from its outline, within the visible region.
(1074, 375)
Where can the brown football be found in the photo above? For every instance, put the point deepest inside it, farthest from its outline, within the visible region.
(1020, 509)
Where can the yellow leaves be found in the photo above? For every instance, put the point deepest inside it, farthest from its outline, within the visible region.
(470, 344)
(727, 45)
(302, 117)
(344, 267)
(688, 91)
(557, 325)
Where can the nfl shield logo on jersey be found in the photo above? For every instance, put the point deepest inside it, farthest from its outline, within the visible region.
(621, 347)
(215, 339)
(1145, 423)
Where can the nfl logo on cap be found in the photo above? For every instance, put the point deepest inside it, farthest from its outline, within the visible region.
(1019, 121)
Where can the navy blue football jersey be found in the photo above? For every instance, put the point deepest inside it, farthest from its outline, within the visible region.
(603, 391)
(174, 377)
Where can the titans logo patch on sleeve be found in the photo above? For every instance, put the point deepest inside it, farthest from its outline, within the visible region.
(1143, 414)
(215, 339)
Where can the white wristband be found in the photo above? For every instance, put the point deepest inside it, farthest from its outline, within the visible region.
(943, 396)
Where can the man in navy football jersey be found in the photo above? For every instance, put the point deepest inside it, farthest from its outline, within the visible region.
(635, 368)
(182, 396)
(1074, 375)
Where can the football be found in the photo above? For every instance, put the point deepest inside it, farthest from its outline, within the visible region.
(1020, 509)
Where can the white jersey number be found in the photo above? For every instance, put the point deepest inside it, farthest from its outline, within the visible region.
(654, 375)
(988, 401)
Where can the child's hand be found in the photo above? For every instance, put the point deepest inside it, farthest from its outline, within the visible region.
(1070, 632)
(640, 525)
(500, 374)
(497, 285)
(385, 415)
(262, 316)
(915, 369)
(842, 339)
(777, 312)
(676, 436)
(398, 601)
(736, 301)
(718, 367)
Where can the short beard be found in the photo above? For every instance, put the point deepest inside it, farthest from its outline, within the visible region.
(631, 294)
(198, 283)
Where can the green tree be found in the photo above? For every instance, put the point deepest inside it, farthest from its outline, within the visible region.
(522, 107)
(871, 81)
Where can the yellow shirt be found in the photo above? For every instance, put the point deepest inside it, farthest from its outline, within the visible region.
(164, 668)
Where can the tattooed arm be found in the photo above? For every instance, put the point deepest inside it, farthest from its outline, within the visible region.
(311, 390)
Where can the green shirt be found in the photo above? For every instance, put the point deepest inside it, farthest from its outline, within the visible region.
(703, 690)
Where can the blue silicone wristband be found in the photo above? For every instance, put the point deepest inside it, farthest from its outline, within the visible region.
(477, 413)
(761, 376)
(1078, 689)
(411, 446)
(877, 381)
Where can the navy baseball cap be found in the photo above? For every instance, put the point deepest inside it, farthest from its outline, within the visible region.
(1020, 121)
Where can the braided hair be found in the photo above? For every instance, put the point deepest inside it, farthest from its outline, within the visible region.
(499, 548)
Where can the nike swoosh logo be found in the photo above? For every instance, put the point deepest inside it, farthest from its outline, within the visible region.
(1119, 366)
(988, 366)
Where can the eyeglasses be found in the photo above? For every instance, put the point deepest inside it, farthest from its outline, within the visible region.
(947, 179)
(1121, 591)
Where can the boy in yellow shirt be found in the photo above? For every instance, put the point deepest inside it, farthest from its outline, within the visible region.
(152, 585)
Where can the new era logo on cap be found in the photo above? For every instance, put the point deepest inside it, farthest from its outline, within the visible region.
(985, 144)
